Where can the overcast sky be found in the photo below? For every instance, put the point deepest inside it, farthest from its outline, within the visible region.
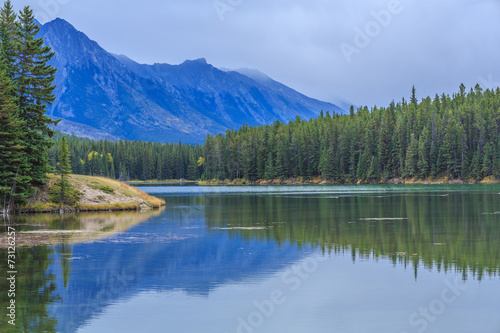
(368, 52)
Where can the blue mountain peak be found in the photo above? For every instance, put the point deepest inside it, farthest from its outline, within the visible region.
(195, 62)
(113, 94)
(60, 23)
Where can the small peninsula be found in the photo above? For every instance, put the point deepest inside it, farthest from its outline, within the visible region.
(90, 193)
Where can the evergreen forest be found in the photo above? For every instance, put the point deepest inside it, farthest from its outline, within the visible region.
(442, 138)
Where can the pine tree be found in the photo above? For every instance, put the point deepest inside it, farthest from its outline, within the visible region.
(159, 167)
(64, 169)
(269, 172)
(362, 169)
(487, 160)
(496, 160)
(34, 83)
(413, 99)
(14, 183)
(8, 39)
(384, 144)
(192, 171)
(326, 163)
(411, 157)
(477, 165)
(434, 160)
(424, 149)
(462, 93)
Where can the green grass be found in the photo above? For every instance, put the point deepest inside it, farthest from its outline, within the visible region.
(105, 188)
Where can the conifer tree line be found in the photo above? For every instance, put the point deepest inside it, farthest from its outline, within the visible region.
(25, 91)
(130, 160)
(452, 137)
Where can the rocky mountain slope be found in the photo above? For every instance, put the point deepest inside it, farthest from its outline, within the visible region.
(114, 97)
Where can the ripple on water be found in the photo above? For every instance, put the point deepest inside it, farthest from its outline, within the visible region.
(143, 238)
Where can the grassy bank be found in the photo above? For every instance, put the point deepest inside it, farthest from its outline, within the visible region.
(165, 181)
(320, 181)
(91, 194)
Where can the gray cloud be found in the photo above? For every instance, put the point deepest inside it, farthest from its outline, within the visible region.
(435, 45)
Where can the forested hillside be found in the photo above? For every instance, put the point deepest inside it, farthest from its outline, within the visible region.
(455, 137)
(448, 137)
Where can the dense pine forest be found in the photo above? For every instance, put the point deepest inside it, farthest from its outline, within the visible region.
(453, 137)
(447, 138)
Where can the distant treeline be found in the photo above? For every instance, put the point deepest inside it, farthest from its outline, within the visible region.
(131, 160)
(455, 137)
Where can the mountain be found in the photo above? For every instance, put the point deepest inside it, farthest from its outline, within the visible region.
(113, 96)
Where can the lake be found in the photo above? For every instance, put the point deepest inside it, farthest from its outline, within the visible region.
(420, 258)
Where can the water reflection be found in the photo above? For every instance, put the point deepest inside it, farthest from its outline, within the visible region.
(36, 264)
(35, 291)
(458, 231)
(169, 252)
(42, 229)
(202, 242)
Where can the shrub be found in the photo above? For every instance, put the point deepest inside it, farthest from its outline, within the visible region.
(105, 188)
(71, 196)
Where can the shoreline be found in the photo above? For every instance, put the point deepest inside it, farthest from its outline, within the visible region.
(319, 181)
(156, 181)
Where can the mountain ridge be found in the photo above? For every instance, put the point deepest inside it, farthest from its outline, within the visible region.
(114, 95)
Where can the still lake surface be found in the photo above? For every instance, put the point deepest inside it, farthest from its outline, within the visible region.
(422, 258)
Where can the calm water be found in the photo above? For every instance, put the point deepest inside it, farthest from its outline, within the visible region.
(267, 259)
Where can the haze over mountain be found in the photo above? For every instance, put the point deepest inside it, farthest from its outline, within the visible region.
(101, 95)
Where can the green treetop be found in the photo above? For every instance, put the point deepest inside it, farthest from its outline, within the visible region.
(8, 39)
(34, 83)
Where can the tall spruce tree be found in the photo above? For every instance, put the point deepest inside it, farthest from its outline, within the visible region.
(192, 169)
(413, 99)
(9, 40)
(14, 182)
(34, 83)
